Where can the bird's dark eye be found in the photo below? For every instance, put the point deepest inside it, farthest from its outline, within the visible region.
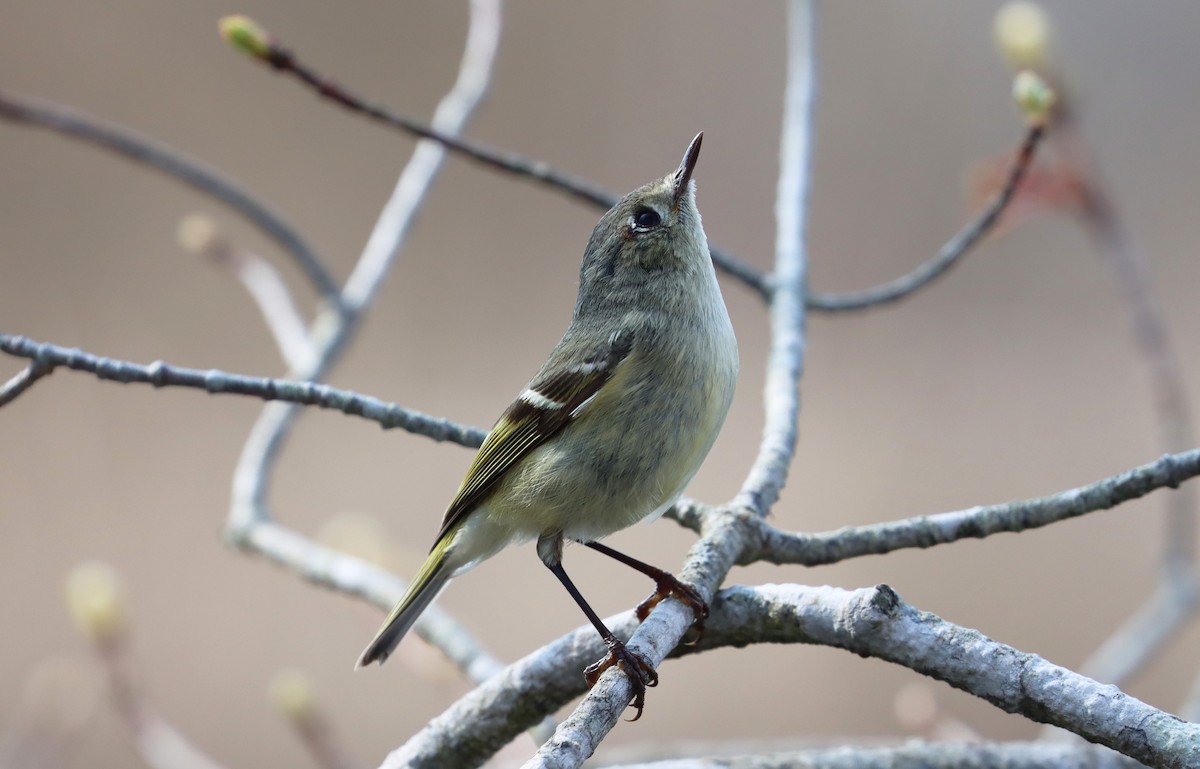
(647, 218)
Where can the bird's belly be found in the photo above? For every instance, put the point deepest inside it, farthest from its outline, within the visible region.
(605, 474)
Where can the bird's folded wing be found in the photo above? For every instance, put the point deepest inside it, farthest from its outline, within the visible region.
(540, 412)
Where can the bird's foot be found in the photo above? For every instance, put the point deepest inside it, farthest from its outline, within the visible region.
(639, 672)
(669, 586)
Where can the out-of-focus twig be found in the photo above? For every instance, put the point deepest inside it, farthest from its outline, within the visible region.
(57, 704)
(199, 235)
(23, 380)
(292, 694)
(97, 602)
(123, 141)
(1026, 37)
(249, 525)
(263, 47)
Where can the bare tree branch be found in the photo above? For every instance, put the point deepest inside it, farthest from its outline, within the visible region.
(785, 362)
(199, 235)
(1174, 601)
(1163, 614)
(47, 357)
(775, 546)
(123, 141)
(927, 755)
(949, 255)
(22, 381)
(871, 622)
(875, 622)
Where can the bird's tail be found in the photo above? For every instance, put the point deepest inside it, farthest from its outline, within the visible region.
(430, 580)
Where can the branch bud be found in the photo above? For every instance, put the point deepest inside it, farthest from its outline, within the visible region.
(244, 34)
(96, 601)
(1034, 98)
(1023, 34)
(197, 234)
(291, 692)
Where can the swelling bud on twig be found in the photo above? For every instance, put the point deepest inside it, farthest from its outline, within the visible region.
(96, 600)
(291, 692)
(244, 34)
(1023, 34)
(1034, 98)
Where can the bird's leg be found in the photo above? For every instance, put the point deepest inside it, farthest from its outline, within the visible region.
(666, 584)
(639, 671)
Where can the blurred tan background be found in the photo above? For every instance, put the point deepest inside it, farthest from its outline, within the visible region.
(1013, 377)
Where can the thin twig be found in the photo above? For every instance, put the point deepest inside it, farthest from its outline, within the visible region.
(285, 61)
(949, 255)
(159, 743)
(199, 235)
(24, 379)
(775, 546)
(124, 141)
(1161, 616)
(159, 374)
(785, 362)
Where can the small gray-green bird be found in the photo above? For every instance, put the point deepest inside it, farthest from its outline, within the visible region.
(614, 425)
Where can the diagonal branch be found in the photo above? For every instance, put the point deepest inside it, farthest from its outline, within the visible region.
(283, 60)
(779, 547)
(47, 357)
(949, 255)
(249, 525)
(23, 380)
(124, 141)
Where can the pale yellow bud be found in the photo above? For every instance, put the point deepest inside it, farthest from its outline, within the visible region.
(292, 693)
(243, 33)
(1023, 34)
(197, 233)
(1033, 96)
(96, 600)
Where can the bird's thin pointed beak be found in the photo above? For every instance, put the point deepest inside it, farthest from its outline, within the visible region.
(684, 174)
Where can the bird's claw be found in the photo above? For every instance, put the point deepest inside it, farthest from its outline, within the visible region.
(670, 586)
(637, 669)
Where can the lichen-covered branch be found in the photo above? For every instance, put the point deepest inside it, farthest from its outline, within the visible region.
(926, 755)
(875, 622)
